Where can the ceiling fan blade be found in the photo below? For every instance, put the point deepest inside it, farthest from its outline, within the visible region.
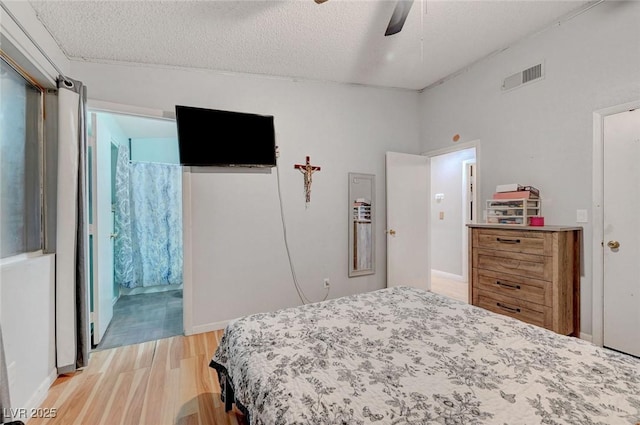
(399, 16)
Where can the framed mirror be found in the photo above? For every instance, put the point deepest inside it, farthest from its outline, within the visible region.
(362, 189)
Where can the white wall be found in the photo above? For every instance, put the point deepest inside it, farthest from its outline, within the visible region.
(239, 264)
(28, 328)
(542, 133)
(446, 233)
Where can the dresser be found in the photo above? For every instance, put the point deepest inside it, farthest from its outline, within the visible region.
(529, 273)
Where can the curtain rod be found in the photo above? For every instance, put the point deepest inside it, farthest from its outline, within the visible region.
(40, 49)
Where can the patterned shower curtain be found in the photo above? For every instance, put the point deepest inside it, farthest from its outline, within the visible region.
(123, 246)
(148, 217)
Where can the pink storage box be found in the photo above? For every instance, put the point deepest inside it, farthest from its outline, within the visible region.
(536, 221)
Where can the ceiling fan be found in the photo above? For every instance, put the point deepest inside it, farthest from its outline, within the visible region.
(398, 16)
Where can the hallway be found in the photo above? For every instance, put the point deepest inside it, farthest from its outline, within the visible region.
(449, 287)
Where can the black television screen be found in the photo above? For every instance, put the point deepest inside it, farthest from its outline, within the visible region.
(209, 137)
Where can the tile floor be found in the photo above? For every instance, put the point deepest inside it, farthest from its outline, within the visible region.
(144, 317)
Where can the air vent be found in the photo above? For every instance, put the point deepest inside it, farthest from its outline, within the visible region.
(527, 76)
(532, 73)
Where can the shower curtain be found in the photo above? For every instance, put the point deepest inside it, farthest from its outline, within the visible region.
(148, 221)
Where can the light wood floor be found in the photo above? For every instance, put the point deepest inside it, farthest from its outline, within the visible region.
(167, 381)
(450, 287)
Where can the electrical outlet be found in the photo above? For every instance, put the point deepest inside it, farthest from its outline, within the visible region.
(327, 284)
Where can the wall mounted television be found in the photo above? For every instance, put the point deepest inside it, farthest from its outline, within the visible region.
(210, 137)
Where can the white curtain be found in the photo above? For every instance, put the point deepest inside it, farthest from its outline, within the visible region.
(72, 294)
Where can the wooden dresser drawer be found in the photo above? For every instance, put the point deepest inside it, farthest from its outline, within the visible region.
(534, 266)
(529, 273)
(535, 314)
(526, 242)
(527, 289)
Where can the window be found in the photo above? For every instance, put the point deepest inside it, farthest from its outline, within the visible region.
(20, 163)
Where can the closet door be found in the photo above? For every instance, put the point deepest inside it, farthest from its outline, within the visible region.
(621, 231)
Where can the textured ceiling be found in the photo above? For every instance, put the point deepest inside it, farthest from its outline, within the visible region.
(340, 40)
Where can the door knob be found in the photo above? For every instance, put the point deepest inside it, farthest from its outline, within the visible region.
(613, 244)
(113, 235)
(392, 232)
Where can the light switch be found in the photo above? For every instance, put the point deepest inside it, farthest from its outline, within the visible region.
(581, 216)
(441, 215)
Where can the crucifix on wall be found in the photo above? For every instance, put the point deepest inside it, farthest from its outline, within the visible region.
(307, 169)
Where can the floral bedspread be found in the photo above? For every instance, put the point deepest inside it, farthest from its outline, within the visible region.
(406, 356)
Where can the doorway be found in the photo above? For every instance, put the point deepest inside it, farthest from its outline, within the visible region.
(410, 213)
(136, 283)
(452, 206)
(616, 294)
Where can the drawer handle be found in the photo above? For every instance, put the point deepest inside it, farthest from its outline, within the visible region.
(505, 307)
(507, 285)
(502, 240)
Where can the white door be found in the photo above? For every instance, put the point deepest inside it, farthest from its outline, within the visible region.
(407, 219)
(622, 232)
(103, 292)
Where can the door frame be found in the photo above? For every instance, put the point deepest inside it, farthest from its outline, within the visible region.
(92, 251)
(468, 164)
(597, 241)
(455, 148)
(187, 284)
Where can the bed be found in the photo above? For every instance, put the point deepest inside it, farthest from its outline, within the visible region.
(407, 356)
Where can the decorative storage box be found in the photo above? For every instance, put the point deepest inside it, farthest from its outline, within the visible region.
(512, 211)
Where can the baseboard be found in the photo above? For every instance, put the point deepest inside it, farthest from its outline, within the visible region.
(208, 327)
(41, 393)
(447, 275)
(586, 337)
